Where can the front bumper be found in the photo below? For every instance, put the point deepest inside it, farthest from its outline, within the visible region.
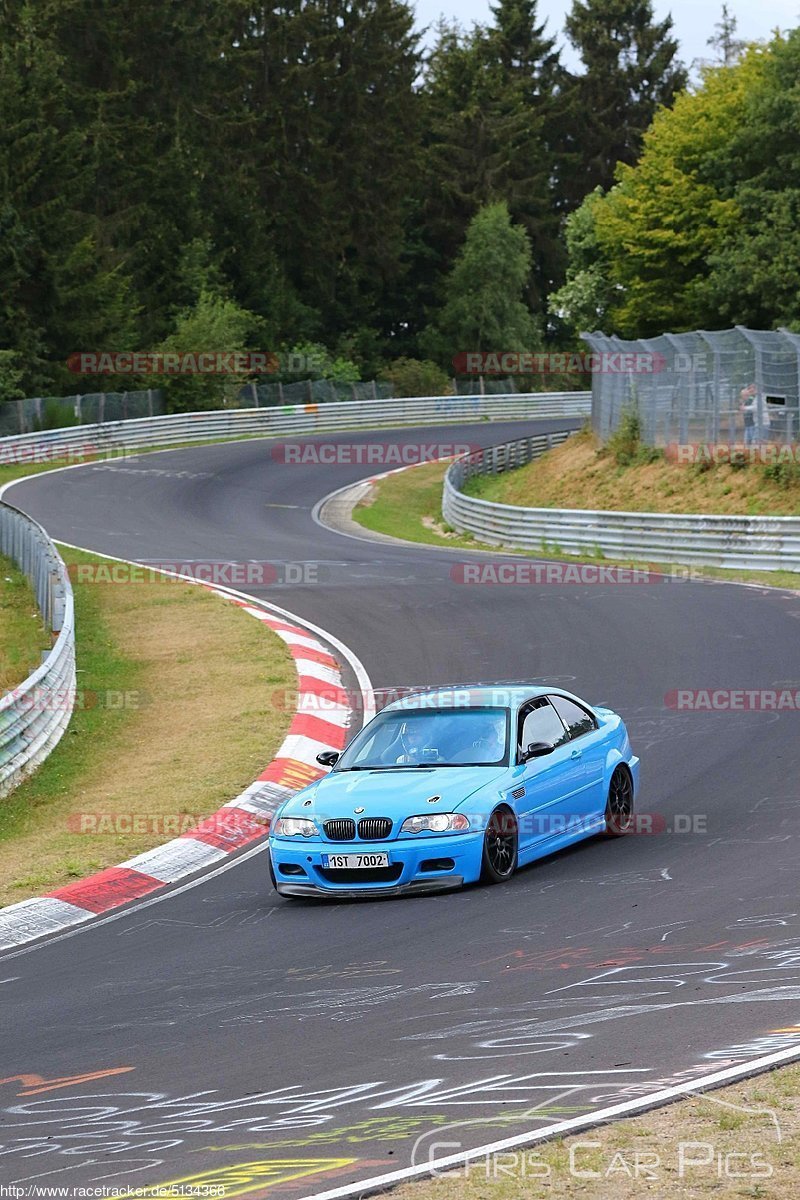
(299, 870)
(375, 892)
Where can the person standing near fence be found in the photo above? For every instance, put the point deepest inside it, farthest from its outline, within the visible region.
(755, 415)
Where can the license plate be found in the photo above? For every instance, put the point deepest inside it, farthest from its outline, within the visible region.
(350, 862)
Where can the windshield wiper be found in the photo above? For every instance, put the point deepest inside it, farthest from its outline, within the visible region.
(397, 767)
(343, 769)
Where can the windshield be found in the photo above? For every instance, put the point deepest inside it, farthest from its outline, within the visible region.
(476, 737)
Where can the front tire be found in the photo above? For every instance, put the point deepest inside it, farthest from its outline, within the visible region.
(500, 847)
(619, 805)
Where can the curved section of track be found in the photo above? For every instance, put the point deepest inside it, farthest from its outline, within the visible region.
(323, 1044)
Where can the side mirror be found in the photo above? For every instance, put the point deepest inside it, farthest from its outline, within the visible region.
(328, 758)
(536, 750)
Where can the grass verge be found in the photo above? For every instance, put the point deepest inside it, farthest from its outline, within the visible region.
(408, 505)
(176, 714)
(740, 1141)
(630, 477)
(23, 636)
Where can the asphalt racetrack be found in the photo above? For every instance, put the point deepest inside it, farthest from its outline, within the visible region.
(299, 1047)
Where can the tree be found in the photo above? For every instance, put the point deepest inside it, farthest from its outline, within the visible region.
(213, 323)
(753, 277)
(484, 309)
(587, 296)
(488, 98)
(415, 377)
(724, 39)
(333, 128)
(63, 287)
(630, 70)
(705, 229)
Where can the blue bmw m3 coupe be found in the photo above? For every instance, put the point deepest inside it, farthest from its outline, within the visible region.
(452, 786)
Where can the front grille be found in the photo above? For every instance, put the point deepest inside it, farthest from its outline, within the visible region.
(388, 874)
(343, 829)
(372, 829)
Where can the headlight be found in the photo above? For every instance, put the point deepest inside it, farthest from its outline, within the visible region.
(436, 823)
(294, 827)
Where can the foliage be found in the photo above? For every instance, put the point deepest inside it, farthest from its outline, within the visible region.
(484, 309)
(10, 376)
(631, 70)
(213, 323)
(416, 377)
(704, 231)
(303, 167)
(56, 416)
(625, 444)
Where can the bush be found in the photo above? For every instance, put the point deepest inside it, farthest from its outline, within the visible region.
(785, 474)
(56, 415)
(625, 444)
(416, 377)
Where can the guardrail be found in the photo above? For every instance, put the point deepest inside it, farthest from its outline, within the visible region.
(34, 715)
(760, 543)
(83, 440)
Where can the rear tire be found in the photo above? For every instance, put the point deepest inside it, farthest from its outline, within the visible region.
(619, 805)
(500, 847)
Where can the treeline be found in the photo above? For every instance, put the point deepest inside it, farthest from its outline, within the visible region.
(704, 231)
(216, 174)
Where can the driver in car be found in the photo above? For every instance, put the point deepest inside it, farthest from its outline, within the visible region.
(412, 744)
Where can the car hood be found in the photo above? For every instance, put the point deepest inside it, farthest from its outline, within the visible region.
(396, 794)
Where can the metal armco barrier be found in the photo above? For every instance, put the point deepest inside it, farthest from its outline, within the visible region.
(294, 419)
(34, 715)
(761, 543)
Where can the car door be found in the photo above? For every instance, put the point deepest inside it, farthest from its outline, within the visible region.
(544, 787)
(588, 741)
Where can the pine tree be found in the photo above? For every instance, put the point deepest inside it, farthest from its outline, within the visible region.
(334, 129)
(485, 308)
(724, 39)
(489, 99)
(630, 70)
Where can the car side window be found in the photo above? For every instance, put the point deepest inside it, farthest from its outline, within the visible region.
(539, 722)
(577, 720)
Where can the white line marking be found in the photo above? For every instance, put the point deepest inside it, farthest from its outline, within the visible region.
(559, 1128)
(368, 711)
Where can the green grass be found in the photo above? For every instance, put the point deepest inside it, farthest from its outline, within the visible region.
(408, 505)
(176, 714)
(102, 666)
(23, 637)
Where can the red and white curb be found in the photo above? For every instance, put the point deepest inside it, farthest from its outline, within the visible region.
(321, 722)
